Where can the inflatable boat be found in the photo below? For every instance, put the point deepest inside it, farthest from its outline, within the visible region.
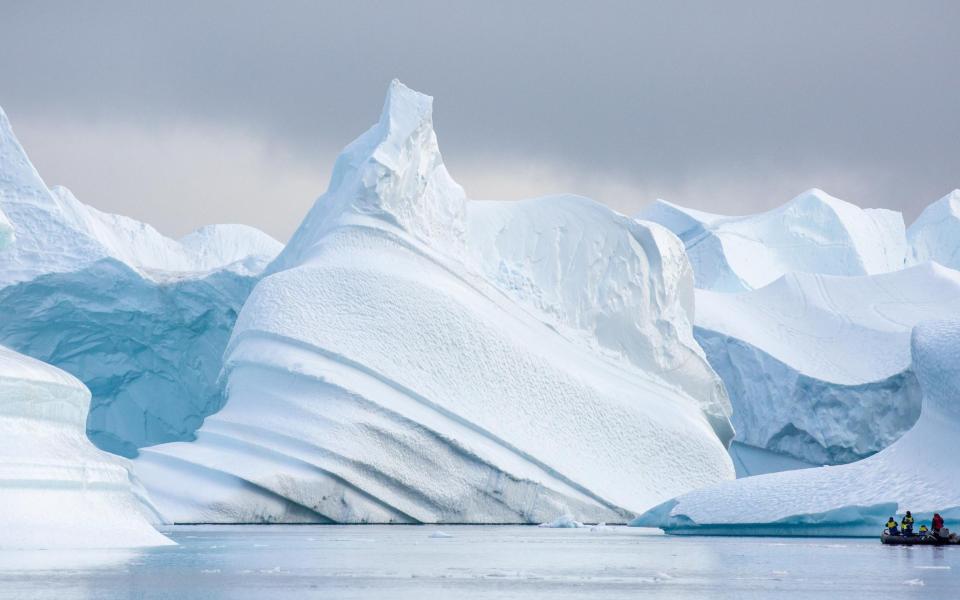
(919, 540)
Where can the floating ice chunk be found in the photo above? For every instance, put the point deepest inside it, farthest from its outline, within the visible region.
(58, 490)
(563, 522)
(440, 534)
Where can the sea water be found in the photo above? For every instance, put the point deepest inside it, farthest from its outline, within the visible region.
(419, 562)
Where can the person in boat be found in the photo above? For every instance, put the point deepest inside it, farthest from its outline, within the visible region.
(892, 527)
(923, 530)
(906, 525)
(937, 523)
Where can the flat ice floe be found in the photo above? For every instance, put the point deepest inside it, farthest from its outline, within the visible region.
(141, 318)
(917, 473)
(818, 367)
(57, 489)
(813, 233)
(417, 357)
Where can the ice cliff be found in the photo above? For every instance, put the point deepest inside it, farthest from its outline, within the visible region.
(140, 318)
(57, 489)
(917, 473)
(414, 356)
(813, 233)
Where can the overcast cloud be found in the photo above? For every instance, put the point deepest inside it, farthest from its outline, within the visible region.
(186, 113)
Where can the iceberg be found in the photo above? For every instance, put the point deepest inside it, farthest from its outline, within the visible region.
(918, 472)
(935, 235)
(416, 357)
(805, 312)
(58, 490)
(140, 318)
(817, 366)
(813, 233)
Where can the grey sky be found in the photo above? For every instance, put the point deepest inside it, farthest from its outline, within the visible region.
(185, 113)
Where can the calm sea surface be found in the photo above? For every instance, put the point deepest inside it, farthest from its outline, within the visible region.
(399, 562)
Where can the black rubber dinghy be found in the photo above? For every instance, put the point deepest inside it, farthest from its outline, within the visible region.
(919, 540)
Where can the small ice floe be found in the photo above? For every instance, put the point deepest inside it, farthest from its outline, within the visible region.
(209, 571)
(934, 567)
(563, 522)
(276, 570)
(440, 534)
(913, 582)
(600, 527)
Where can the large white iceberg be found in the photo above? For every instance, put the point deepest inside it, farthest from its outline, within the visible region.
(805, 311)
(818, 366)
(57, 489)
(917, 473)
(813, 233)
(935, 235)
(418, 357)
(142, 319)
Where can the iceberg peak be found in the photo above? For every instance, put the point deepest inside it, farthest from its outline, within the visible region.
(817, 198)
(391, 178)
(404, 111)
(18, 178)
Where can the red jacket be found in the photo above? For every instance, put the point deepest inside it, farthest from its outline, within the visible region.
(937, 522)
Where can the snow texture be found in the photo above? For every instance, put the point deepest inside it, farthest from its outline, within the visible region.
(417, 357)
(935, 235)
(818, 367)
(813, 233)
(916, 473)
(142, 319)
(58, 490)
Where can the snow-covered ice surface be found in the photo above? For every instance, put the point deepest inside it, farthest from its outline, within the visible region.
(918, 472)
(141, 318)
(817, 366)
(56, 489)
(935, 235)
(813, 233)
(417, 357)
(481, 562)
